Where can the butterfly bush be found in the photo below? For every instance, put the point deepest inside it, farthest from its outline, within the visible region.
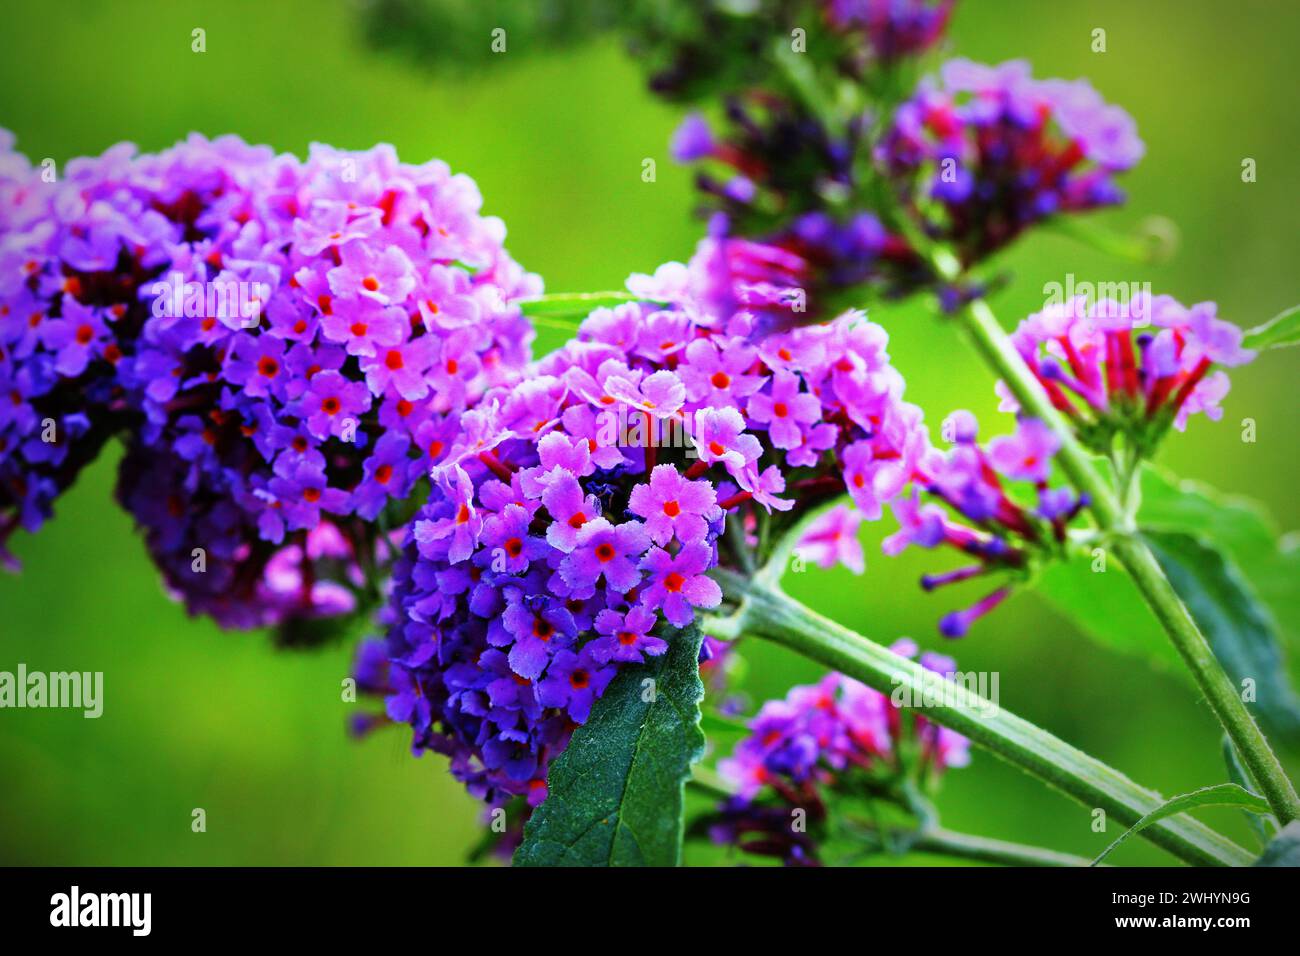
(1129, 368)
(786, 176)
(837, 736)
(292, 343)
(572, 526)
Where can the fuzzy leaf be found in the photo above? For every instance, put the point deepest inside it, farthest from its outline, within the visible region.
(1221, 795)
(616, 791)
(1237, 526)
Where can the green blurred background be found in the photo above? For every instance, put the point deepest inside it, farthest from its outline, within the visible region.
(197, 718)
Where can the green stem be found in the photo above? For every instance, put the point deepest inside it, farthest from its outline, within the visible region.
(996, 347)
(573, 304)
(965, 846)
(767, 612)
(968, 847)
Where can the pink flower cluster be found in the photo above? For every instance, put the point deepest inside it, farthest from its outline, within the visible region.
(1131, 367)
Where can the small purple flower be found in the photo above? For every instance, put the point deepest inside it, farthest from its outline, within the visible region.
(385, 277)
(365, 331)
(571, 509)
(541, 629)
(919, 524)
(720, 437)
(574, 681)
(76, 338)
(787, 411)
(462, 525)
(401, 368)
(302, 496)
(332, 404)
(511, 546)
(719, 378)
(626, 637)
(257, 365)
(832, 538)
(607, 551)
(386, 475)
(692, 140)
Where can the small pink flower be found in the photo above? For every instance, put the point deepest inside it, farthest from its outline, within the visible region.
(832, 538)
(1027, 454)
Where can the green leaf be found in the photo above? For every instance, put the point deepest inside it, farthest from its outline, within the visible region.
(1236, 541)
(1107, 607)
(1278, 332)
(1220, 795)
(1236, 625)
(1285, 848)
(616, 791)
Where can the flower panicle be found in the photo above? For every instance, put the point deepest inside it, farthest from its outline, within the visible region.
(572, 524)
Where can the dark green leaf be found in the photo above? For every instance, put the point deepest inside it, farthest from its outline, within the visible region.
(1239, 527)
(616, 791)
(1236, 625)
(1278, 332)
(1285, 848)
(1221, 795)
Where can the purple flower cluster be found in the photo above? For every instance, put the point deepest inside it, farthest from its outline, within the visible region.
(1129, 368)
(572, 524)
(893, 28)
(300, 337)
(1003, 531)
(972, 161)
(837, 734)
(988, 151)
